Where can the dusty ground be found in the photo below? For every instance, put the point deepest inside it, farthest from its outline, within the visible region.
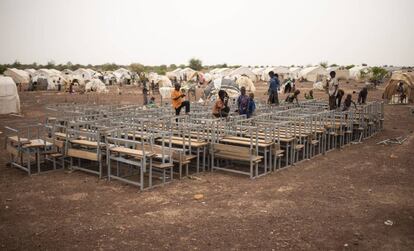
(334, 202)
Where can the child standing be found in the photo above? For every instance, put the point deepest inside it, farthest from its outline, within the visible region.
(251, 107)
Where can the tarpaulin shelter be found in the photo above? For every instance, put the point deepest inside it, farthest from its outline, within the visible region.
(407, 78)
(9, 97)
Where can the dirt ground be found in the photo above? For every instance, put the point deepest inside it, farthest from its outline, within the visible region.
(339, 201)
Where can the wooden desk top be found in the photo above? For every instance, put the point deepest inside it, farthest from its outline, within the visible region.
(179, 141)
(85, 142)
(133, 152)
(37, 143)
(243, 142)
(15, 139)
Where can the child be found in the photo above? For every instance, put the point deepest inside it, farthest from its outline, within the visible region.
(151, 103)
(310, 96)
(177, 101)
(220, 108)
(145, 93)
(294, 96)
(362, 96)
(339, 97)
(242, 102)
(347, 103)
(251, 107)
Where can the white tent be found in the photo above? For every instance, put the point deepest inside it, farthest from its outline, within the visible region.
(359, 73)
(313, 73)
(258, 72)
(282, 71)
(9, 97)
(96, 85)
(18, 76)
(247, 83)
(294, 72)
(31, 72)
(122, 73)
(186, 73)
(53, 77)
(341, 72)
(243, 71)
(178, 70)
(85, 74)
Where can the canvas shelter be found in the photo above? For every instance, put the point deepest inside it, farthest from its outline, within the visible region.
(407, 78)
(9, 97)
(313, 73)
(282, 71)
(18, 76)
(341, 72)
(359, 73)
(243, 71)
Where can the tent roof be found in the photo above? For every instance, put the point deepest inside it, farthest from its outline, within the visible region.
(407, 78)
(313, 70)
(242, 71)
(7, 87)
(17, 75)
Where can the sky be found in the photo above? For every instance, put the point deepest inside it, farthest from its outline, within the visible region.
(236, 32)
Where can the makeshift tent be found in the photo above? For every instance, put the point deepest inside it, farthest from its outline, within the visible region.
(227, 85)
(185, 73)
(243, 71)
(258, 72)
(52, 79)
(122, 73)
(294, 72)
(407, 78)
(9, 97)
(18, 76)
(31, 72)
(247, 83)
(341, 72)
(223, 72)
(282, 71)
(359, 73)
(173, 75)
(313, 74)
(85, 74)
(95, 85)
(163, 81)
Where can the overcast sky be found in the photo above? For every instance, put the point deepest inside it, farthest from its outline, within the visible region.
(247, 32)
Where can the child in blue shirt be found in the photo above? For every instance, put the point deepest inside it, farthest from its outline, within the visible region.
(251, 107)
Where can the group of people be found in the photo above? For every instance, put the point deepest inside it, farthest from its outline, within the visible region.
(336, 95)
(247, 106)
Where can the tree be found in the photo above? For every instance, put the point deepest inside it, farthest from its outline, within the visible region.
(377, 74)
(182, 66)
(333, 65)
(324, 64)
(16, 64)
(137, 67)
(195, 64)
(109, 67)
(350, 66)
(3, 68)
(172, 67)
(50, 64)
